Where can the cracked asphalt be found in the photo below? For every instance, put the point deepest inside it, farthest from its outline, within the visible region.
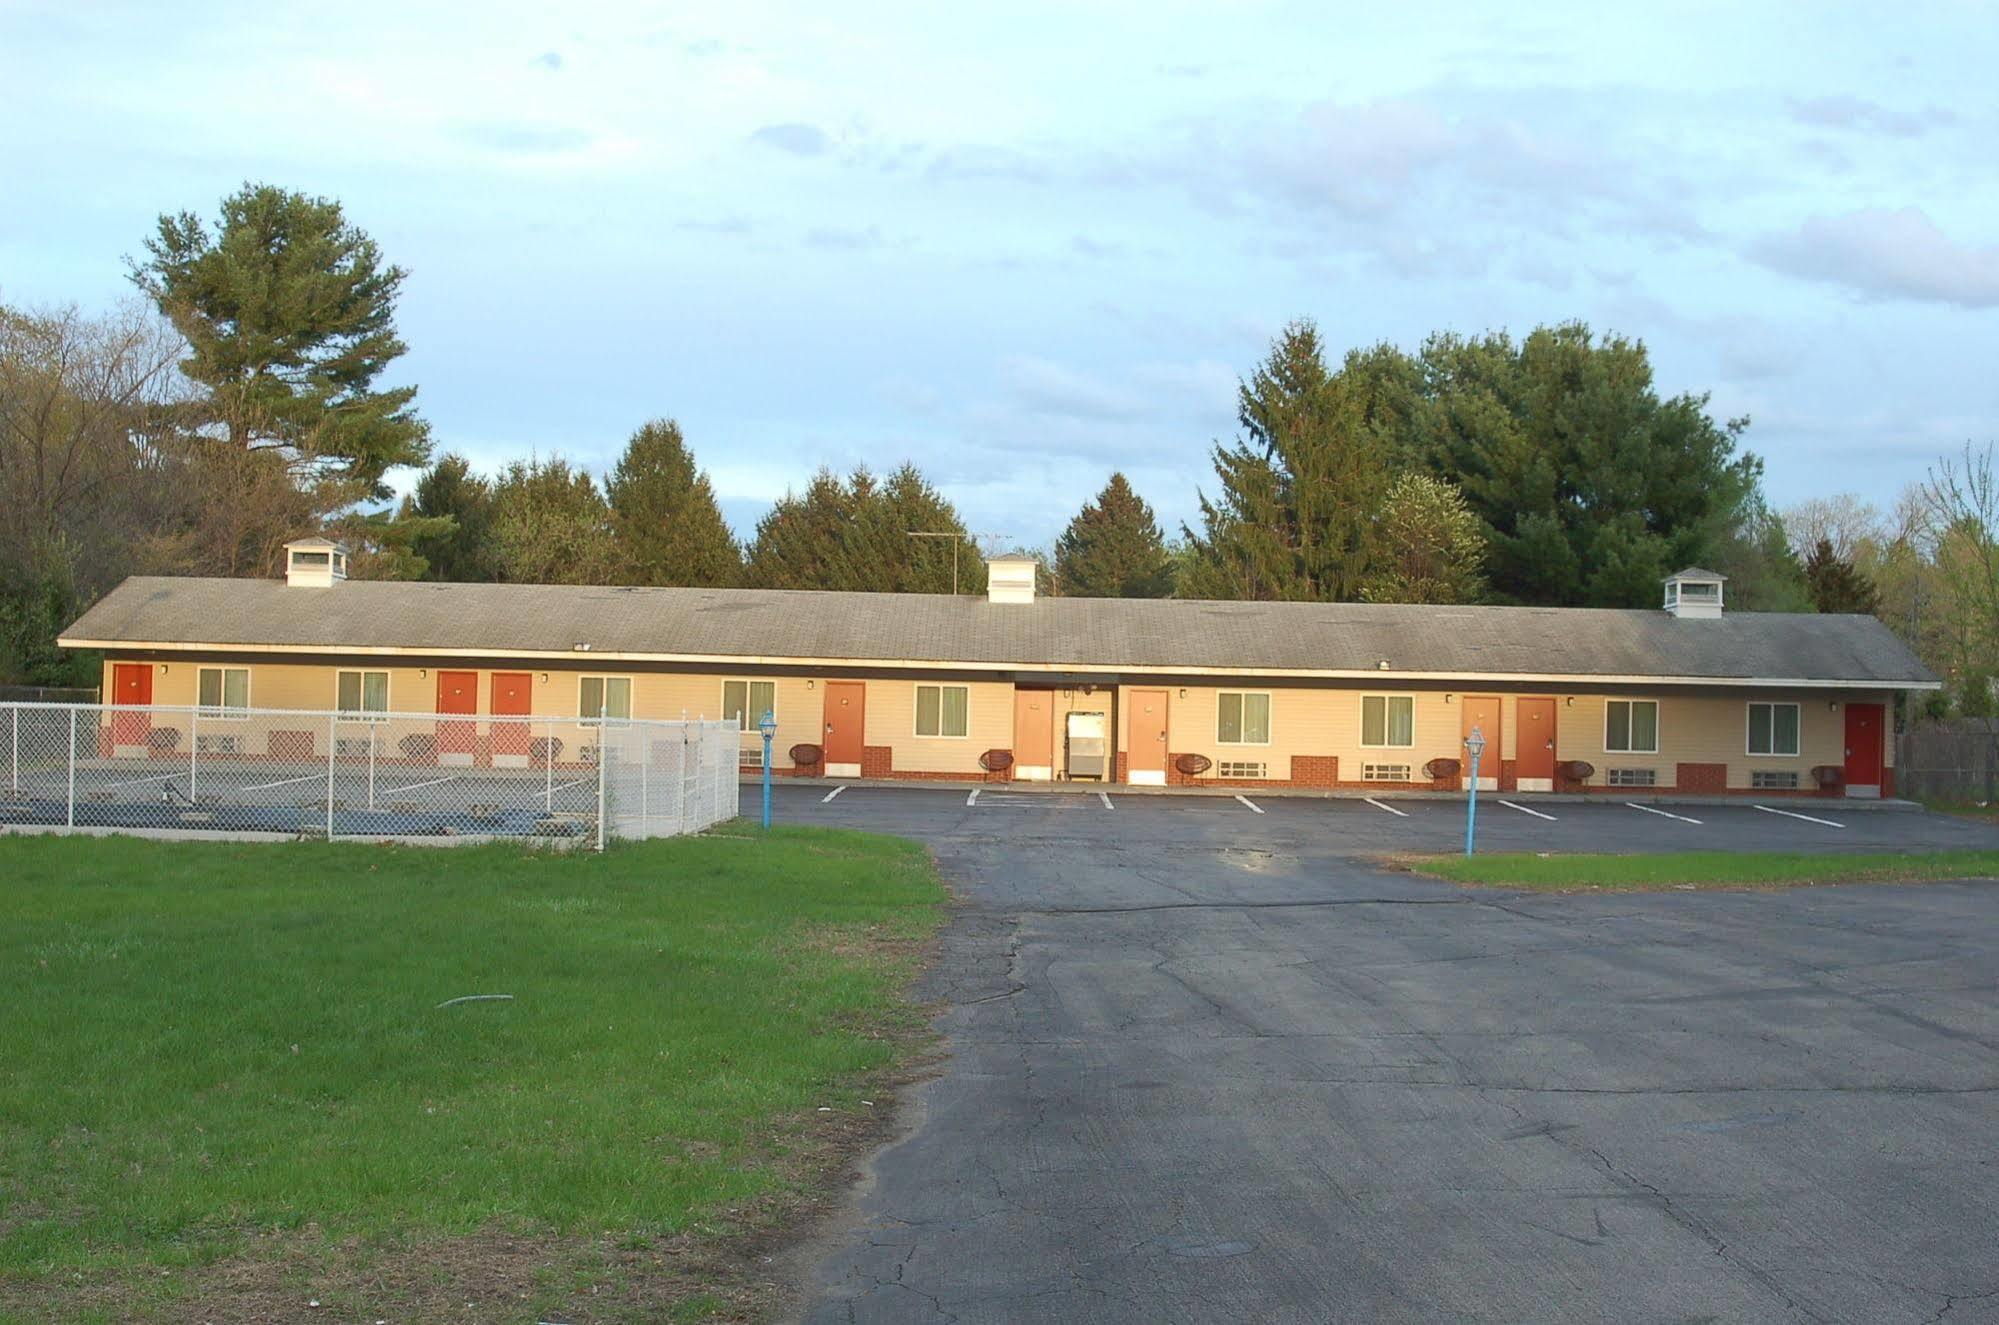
(1207, 1064)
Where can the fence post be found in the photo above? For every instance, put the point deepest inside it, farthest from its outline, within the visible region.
(645, 783)
(374, 736)
(72, 765)
(548, 766)
(193, 747)
(332, 739)
(14, 764)
(603, 763)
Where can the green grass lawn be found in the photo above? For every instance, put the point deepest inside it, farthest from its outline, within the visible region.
(226, 1063)
(1714, 869)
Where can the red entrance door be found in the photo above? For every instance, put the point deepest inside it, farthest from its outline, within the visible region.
(1034, 735)
(1863, 749)
(846, 727)
(457, 692)
(131, 683)
(511, 698)
(1534, 745)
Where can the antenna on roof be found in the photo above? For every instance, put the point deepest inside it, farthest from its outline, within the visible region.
(957, 537)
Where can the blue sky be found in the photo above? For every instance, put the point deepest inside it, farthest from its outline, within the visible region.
(1026, 244)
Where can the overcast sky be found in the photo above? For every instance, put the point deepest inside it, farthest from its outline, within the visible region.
(1026, 244)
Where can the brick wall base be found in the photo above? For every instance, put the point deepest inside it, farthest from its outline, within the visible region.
(877, 761)
(1700, 779)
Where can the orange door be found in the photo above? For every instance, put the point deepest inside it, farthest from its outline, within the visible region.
(131, 683)
(1034, 735)
(1482, 712)
(457, 692)
(1146, 752)
(511, 698)
(846, 727)
(1863, 749)
(1534, 745)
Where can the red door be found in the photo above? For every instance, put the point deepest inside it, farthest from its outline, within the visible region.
(457, 692)
(511, 698)
(131, 683)
(1481, 713)
(1863, 749)
(1534, 745)
(1145, 762)
(846, 727)
(1034, 735)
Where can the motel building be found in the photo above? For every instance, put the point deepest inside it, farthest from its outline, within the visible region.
(1010, 686)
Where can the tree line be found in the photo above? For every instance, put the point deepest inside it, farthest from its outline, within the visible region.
(237, 403)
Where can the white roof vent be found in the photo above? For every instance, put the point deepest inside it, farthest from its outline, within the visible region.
(1694, 592)
(315, 563)
(1011, 579)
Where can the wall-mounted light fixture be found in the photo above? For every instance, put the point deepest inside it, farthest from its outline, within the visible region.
(1448, 696)
(163, 669)
(1831, 705)
(1183, 692)
(1570, 702)
(809, 683)
(544, 678)
(422, 672)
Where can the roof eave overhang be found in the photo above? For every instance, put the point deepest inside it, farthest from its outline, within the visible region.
(588, 656)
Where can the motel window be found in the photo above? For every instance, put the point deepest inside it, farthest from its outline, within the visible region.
(1631, 726)
(601, 697)
(1242, 719)
(222, 690)
(362, 692)
(1773, 729)
(1388, 720)
(745, 702)
(943, 710)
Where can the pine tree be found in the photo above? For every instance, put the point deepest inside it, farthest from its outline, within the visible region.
(855, 535)
(1113, 548)
(668, 526)
(1432, 546)
(551, 525)
(459, 547)
(289, 316)
(1837, 585)
(1295, 517)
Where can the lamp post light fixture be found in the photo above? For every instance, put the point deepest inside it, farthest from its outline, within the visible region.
(767, 724)
(1475, 747)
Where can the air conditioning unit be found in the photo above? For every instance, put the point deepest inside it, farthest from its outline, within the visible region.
(1384, 772)
(353, 747)
(218, 744)
(587, 753)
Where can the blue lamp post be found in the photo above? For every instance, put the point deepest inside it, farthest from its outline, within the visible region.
(768, 726)
(1475, 746)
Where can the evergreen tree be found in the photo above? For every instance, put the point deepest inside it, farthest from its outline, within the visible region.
(663, 512)
(289, 316)
(1432, 546)
(1113, 548)
(1764, 574)
(551, 525)
(855, 535)
(1837, 585)
(1590, 486)
(458, 543)
(1295, 517)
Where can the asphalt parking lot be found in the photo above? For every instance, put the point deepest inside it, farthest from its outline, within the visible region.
(1211, 1064)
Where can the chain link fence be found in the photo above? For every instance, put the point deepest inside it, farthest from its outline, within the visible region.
(1949, 761)
(362, 775)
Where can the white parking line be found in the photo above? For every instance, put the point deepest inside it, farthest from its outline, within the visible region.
(288, 782)
(1400, 814)
(1793, 814)
(1664, 814)
(831, 794)
(1524, 810)
(1252, 804)
(973, 799)
(1105, 797)
(397, 791)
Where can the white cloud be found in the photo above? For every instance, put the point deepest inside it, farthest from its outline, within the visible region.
(1882, 254)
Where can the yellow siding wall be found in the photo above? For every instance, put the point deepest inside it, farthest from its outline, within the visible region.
(891, 721)
(1692, 729)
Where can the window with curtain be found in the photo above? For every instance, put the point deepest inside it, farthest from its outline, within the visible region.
(221, 690)
(1631, 726)
(745, 702)
(362, 692)
(1242, 718)
(604, 697)
(943, 710)
(1388, 720)
(1773, 729)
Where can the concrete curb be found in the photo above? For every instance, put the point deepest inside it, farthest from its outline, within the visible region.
(1308, 793)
